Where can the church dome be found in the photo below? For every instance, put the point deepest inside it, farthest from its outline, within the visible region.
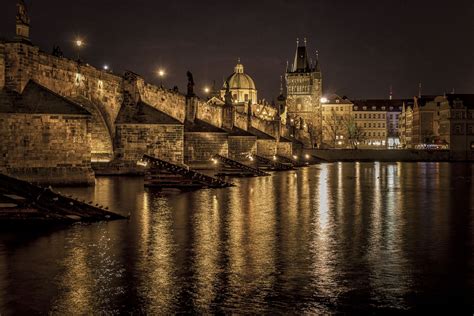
(240, 80)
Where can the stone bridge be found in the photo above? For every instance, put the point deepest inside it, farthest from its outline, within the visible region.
(130, 117)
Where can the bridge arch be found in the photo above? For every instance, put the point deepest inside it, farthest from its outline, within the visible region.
(102, 148)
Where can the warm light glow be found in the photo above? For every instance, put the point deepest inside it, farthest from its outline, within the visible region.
(106, 67)
(295, 157)
(306, 156)
(324, 100)
(207, 90)
(161, 72)
(79, 42)
(274, 157)
(142, 163)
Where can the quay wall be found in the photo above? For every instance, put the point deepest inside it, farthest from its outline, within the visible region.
(379, 154)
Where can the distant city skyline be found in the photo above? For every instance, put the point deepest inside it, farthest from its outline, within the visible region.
(364, 48)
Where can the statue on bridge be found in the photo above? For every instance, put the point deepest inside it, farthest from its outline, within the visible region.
(190, 84)
(227, 95)
(22, 14)
(57, 52)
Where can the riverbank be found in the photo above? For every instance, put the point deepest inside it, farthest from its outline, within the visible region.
(382, 155)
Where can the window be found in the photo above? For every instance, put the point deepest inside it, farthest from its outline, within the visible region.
(246, 97)
(458, 129)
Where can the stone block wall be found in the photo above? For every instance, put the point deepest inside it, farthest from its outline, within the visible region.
(21, 62)
(266, 147)
(201, 147)
(210, 113)
(241, 120)
(268, 127)
(285, 149)
(165, 142)
(70, 79)
(46, 148)
(2, 65)
(169, 102)
(242, 146)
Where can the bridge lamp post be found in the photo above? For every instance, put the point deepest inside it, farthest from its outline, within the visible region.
(161, 74)
(78, 43)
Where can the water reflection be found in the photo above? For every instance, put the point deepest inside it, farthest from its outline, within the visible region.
(344, 237)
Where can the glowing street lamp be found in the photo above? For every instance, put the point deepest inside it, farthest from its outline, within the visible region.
(161, 73)
(78, 43)
(206, 90)
(106, 67)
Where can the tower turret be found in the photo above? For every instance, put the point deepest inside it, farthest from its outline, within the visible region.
(303, 86)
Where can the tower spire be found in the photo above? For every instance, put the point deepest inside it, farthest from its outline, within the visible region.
(301, 63)
(419, 90)
(391, 93)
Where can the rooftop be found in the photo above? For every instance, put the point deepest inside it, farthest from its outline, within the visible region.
(380, 104)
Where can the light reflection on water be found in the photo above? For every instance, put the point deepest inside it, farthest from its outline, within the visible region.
(343, 237)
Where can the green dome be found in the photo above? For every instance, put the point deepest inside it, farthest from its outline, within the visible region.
(240, 80)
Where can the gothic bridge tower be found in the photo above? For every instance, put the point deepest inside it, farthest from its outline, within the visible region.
(303, 87)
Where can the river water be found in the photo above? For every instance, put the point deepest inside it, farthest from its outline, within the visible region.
(330, 238)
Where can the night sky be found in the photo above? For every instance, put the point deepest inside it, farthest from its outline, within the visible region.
(364, 46)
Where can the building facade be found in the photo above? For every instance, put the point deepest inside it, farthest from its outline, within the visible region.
(371, 117)
(440, 122)
(336, 117)
(405, 126)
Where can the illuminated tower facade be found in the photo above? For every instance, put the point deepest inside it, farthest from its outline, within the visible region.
(303, 88)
